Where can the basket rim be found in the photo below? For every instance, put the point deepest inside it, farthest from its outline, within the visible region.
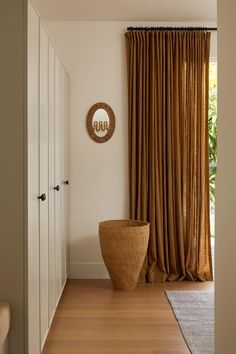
(125, 222)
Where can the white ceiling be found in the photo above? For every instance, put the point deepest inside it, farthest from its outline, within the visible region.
(127, 10)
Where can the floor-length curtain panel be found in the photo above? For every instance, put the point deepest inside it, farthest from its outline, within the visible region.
(168, 150)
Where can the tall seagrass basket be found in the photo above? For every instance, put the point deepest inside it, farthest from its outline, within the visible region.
(124, 246)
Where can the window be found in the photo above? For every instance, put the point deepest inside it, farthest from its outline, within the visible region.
(212, 126)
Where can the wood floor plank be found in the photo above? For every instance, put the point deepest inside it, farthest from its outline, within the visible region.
(93, 319)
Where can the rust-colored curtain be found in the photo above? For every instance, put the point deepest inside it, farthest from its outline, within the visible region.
(168, 150)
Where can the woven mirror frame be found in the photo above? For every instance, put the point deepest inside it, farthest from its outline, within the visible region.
(90, 128)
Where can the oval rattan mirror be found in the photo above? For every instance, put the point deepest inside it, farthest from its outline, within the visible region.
(100, 122)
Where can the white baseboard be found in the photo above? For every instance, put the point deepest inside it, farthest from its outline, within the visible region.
(88, 271)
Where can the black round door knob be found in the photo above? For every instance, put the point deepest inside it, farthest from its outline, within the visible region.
(42, 197)
(66, 182)
(57, 188)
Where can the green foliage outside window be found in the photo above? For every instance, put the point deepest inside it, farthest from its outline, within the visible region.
(212, 128)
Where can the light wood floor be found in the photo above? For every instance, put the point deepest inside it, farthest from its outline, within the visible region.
(92, 318)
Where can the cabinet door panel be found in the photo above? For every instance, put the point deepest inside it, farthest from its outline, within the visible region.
(64, 175)
(67, 175)
(43, 181)
(58, 246)
(51, 192)
(33, 183)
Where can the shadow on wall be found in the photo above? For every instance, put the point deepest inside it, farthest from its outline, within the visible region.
(85, 259)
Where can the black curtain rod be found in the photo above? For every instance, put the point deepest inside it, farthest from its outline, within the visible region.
(171, 28)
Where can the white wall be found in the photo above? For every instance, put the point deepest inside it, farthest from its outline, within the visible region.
(225, 309)
(94, 55)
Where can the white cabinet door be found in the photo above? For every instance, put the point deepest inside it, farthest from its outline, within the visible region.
(52, 191)
(64, 172)
(58, 242)
(33, 183)
(67, 176)
(48, 92)
(43, 180)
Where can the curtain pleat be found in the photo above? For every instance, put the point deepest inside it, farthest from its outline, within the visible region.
(168, 150)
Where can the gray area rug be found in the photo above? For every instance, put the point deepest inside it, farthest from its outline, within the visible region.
(194, 310)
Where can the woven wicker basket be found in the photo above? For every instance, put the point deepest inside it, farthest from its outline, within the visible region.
(124, 246)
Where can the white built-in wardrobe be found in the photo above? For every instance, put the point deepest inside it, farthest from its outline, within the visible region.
(48, 180)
